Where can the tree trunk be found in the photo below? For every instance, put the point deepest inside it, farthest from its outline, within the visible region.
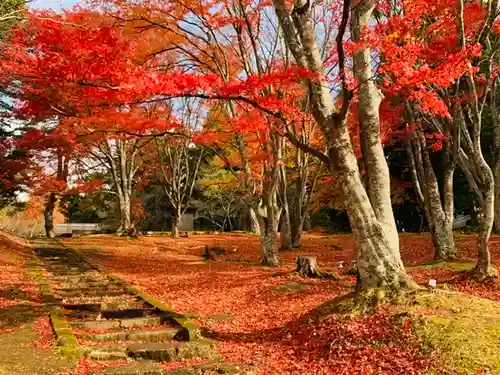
(50, 206)
(268, 242)
(371, 218)
(496, 153)
(370, 211)
(497, 190)
(497, 206)
(176, 219)
(126, 228)
(439, 212)
(307, 224)
(285, 231)
(369, 99)
(254, 221)
(268, 222)
(444, 242)
(481, 180)
(483, 267)
(296, 226)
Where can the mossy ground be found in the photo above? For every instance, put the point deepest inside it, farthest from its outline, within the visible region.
(18, 356)
(461, 332)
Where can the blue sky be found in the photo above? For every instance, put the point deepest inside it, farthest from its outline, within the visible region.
(53, 4)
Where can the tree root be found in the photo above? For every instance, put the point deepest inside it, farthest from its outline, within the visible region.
(480, 274)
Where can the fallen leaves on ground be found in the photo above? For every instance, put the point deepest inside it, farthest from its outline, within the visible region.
(45, 334)
(266, 317)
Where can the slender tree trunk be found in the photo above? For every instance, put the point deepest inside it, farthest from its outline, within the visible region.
(496, 153)
(439, 215)
(285, 230)
(483, 267)
(497, 197)
(481, 180)
(306, 223)
(50, 206)
(297, 223)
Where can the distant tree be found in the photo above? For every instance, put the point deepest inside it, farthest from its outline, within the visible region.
(179, 161)
(11, 11)
(221, 196)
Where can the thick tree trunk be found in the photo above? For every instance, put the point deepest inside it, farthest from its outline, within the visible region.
(269, 216)
(48, 214)
(254, 221)
(444, 242)
(378, 259)
(176, 220)
(268, 243)
(126, 228)
(369, 99)
(370, 211)
(371, 218)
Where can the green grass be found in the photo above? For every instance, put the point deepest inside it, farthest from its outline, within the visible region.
(461, 332)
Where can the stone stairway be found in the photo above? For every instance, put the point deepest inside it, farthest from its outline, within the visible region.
(111, 323)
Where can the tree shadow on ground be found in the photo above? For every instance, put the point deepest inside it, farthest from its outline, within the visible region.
(338, 305)
(21, 314)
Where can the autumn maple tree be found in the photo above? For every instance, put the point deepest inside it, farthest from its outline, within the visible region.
(440, 58)
(280, 82)
(83, 84)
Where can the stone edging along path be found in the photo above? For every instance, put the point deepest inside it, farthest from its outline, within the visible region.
(104, 318)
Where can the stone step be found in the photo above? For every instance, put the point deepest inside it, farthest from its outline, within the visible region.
(97, 284)
(117, 302)
(127, 313)
(92, 307)
(213, 368)
(173, 352)
(100, 355)
(120, 323)
(158, 335)
(69, 293)
(140, 368)
(78, 279)
(96, 324)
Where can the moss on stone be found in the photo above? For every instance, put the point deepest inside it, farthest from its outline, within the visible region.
(461, 266)
(219, 368)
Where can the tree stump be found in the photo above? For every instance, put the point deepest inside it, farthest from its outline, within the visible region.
(213, 253)
(307, 266)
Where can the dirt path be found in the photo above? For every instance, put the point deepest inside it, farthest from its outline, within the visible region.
(109, 322)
